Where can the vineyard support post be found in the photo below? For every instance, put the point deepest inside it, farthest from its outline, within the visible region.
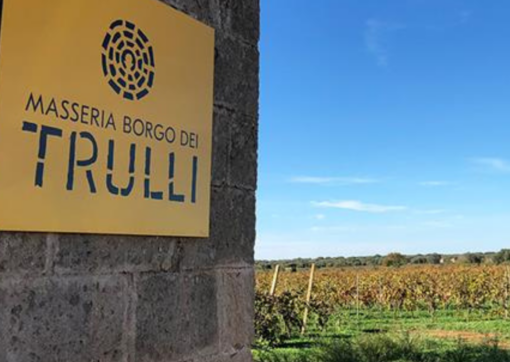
(275, 280)
(357, 300)
(507, 291)
(308, 297)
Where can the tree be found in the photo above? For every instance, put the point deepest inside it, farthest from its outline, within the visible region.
(420, 259)
(394, 260)
(434, 259)
(502, 257)
(471, 258)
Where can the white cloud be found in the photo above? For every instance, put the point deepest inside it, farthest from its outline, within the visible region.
(333, 180)
(359, 206)
(376, 39)
(320, 217)
(493, 164)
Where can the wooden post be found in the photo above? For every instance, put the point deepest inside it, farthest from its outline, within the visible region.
(275, 280)
(357, 299)
(308, 297)
(507, 292)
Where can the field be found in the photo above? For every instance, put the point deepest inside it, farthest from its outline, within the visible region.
(453, 307)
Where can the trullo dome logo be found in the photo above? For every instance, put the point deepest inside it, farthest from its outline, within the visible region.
(128, 60)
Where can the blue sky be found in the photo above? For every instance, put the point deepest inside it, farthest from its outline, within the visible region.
(384, 126)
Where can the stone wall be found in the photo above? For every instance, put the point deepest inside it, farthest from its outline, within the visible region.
(87, 298)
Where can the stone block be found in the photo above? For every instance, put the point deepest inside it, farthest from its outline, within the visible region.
(22, 253)
(241, 18)
(195, 254)
(161, 325)
(176, 317)
(202, 311)
(235, 237)
(221, 146)
(206, 11)
(243, 152)
(236, 298)
(67, 319)
(232, 238)
(108, 254)
(236, 75)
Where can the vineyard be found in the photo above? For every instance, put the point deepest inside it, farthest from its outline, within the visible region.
(429, 288)
(386, 297)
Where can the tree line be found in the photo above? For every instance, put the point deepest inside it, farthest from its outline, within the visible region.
(390, 260)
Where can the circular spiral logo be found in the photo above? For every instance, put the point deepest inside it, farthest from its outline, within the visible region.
(128, 60)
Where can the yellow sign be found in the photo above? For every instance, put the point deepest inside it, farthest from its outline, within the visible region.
(105, 118)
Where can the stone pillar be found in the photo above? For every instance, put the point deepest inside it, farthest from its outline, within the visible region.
(84, 298)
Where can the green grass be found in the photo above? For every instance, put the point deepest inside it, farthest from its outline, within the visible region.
(384, 348)
(352, 323)
(378, 336)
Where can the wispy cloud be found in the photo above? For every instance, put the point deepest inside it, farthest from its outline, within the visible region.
(334, 229)
(359, 206)
(492, 164)
(437, 224)
(436, 183)
(430, 212)
(343, 181)
(377, 35)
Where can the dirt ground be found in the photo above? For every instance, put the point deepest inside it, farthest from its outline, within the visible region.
(469, 337)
